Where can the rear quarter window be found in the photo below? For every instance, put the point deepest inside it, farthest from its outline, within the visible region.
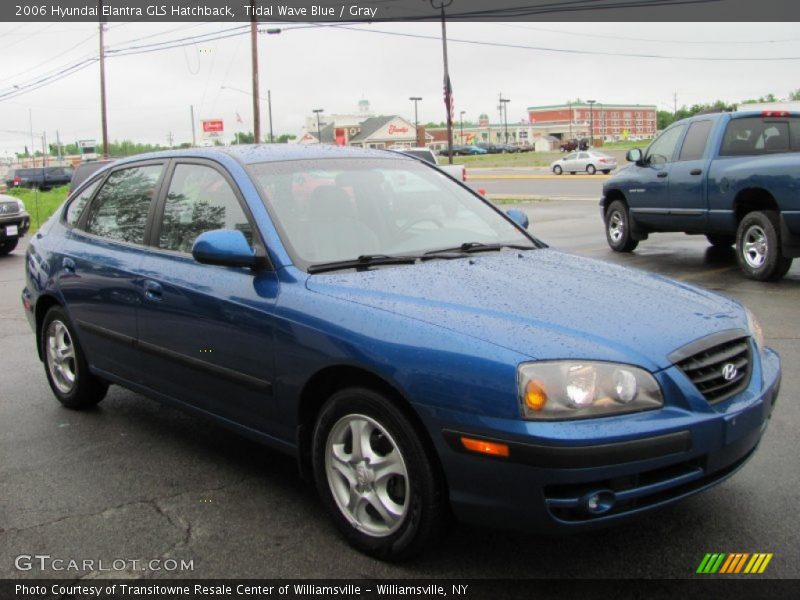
(758, 135)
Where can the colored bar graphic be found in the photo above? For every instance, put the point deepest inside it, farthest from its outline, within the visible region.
(733, 563)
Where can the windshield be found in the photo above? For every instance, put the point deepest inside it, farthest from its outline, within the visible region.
(342, 208)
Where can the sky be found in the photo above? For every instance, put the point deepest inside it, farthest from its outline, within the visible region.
(332, 68)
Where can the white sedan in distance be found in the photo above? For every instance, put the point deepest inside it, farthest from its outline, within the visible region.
(589, 161)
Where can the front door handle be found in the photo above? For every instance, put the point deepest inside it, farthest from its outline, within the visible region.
(68, 264)
(662, 174)
(153, 290)
(696, 172)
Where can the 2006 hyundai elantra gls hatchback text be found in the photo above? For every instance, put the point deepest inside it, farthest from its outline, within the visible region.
(414, 347)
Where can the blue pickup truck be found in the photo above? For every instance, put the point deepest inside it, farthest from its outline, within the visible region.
(733, 177)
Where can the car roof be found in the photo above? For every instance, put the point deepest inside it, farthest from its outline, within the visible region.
(247, 154)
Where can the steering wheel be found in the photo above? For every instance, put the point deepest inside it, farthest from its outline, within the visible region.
(413, 222)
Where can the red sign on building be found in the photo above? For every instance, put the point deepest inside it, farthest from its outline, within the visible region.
(212, 126)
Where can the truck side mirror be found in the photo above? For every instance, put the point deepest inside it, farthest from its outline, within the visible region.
(634, 155)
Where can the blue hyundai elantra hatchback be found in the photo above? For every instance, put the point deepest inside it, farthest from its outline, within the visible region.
(415, 348)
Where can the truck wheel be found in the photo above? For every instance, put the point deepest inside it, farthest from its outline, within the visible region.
(758, 247)
(65, 364)
(721, 241)
(558, 170)
(7, 246)
(618, 228)
(591, 170)
(375, 476)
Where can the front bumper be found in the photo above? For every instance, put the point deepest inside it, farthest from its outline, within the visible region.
(551, 485)
(20, 220)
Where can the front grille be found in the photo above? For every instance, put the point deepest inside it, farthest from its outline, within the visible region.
(9, 208)
(711, 372)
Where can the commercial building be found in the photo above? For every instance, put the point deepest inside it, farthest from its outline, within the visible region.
(599, 120)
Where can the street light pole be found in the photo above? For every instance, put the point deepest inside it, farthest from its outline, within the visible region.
(461, 114)
(591, 122)
(103, 115)
(448, 92)
(416, 99)
(319, 128)
(504, 106)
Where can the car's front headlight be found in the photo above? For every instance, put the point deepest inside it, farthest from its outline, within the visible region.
(21, 206)
(581, 389)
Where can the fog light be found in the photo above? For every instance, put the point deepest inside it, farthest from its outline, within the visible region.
(598, 502)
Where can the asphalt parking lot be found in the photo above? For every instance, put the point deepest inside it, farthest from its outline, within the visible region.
(133, 479)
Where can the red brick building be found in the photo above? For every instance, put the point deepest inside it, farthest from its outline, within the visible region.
(607, 121)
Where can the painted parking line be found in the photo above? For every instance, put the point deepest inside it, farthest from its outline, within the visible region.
(471, 177)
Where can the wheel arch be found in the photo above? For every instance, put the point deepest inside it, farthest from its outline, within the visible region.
(612, 195)
(334, 378)
(43, 304)
(752, 199)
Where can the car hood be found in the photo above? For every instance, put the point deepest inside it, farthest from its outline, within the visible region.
(544, 304)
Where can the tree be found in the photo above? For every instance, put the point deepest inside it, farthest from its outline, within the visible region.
(795, 95)
(285, 137)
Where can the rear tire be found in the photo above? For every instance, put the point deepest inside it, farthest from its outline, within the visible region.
(758, 247)
(590, 169)
(618, 228)
(721, 241)
(65, 363)
(6, 246)
(390, 513)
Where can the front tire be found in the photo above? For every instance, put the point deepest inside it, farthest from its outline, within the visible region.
(65, 363)
(6, 246)
(618, 228)
(758, 247)
(558, 170)
(375, 476)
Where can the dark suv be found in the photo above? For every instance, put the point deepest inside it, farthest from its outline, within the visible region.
(43, 178)
(14, 223)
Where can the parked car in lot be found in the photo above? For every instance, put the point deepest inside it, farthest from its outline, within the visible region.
(414, 347)
(458, 172)
(489, 147)
(83, 170)
(463, 150)
(507, 148)
(733, 177)
(14, 223)
(589, 162)
(43, 178)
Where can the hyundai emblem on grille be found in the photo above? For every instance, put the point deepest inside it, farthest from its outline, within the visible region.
(729, 371)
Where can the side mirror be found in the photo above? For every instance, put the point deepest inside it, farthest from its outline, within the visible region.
(519, 217)
(224, 247)
(634, 155)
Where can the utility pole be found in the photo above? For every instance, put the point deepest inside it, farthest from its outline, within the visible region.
(254, 61)
(570, 120)
(191, 115)
(58, 146)
(461, 114)
(103, 113)
(44, 149)
(448, 91)
(674, 105)
(416, 99)
(269, 108)
(170, 139)
(591, 122)
(33, 148)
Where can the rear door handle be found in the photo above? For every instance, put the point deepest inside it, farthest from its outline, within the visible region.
(153, 290)
(662, 174)
(696, 172)
(68, 265)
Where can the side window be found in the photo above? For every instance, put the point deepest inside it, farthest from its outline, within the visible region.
(694, 144)
(119, 211)
(75, 208)
(583, 155)
(199, 199)
(754, 135)
(663, 149)
(571, 157)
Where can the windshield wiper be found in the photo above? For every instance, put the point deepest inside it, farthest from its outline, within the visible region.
(364, 261)
(470, 247)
